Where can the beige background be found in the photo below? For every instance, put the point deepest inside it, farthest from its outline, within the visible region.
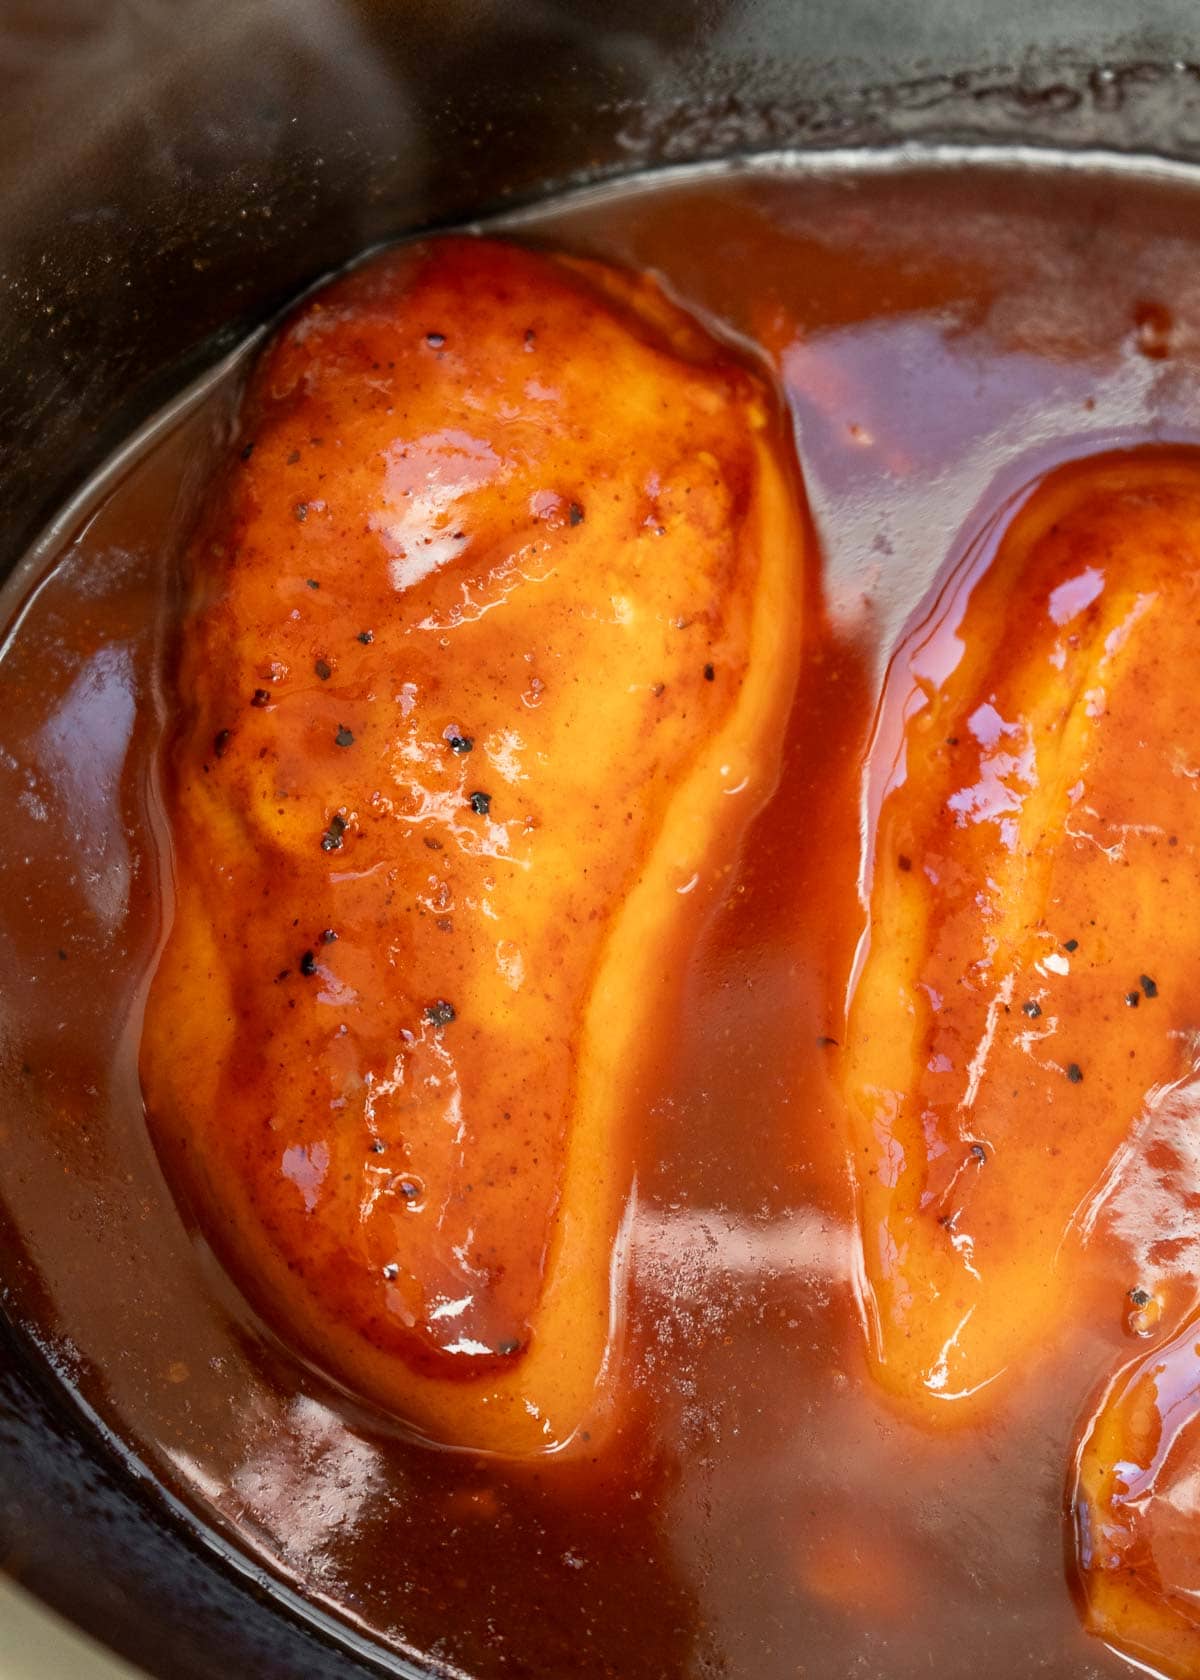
(35, 1644)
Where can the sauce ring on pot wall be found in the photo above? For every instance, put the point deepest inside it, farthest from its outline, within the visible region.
(491, 632)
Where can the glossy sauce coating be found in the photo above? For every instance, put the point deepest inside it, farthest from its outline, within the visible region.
(1027, 977)
(946, 336)
(1135, 1510)
(491, 634)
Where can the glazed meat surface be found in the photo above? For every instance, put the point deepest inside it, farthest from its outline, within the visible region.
(1024, 1001)
(490, 634)
(1134, 1506)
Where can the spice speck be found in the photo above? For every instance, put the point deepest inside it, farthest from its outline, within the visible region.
(344, 736)
(1148, 986)
(480, 803)
(331, 840)
(1074, 1073)
(308, 963)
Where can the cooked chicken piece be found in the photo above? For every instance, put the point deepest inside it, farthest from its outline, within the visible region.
(490, 638)
(1030, 971)
(1136, 1517)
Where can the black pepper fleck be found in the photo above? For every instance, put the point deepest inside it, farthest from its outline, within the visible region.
(247, 451)
(323, 669)
(308, 963)
(978, 1152)
(1070, 944)
(331, 840)
(481, 803)
(344, 736)
(221, 742)
(710, 673)
(1033, 1009)
(301, 511)
(378, 1147)
(366, 637)
(312, 583)
(260, 697)
(1074, 1073)
(1132, 999)
(440, 1014)
(1140, 1297)
(575, 515)
(1148, 986)
(461, 743)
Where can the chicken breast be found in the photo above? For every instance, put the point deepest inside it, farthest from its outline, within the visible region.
(490, 635)
(1134, 1506)
(1029, 978)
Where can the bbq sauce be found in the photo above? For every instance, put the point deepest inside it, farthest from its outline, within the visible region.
(944, 335)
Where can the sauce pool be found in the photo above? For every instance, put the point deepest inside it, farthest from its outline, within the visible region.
(944, 333)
